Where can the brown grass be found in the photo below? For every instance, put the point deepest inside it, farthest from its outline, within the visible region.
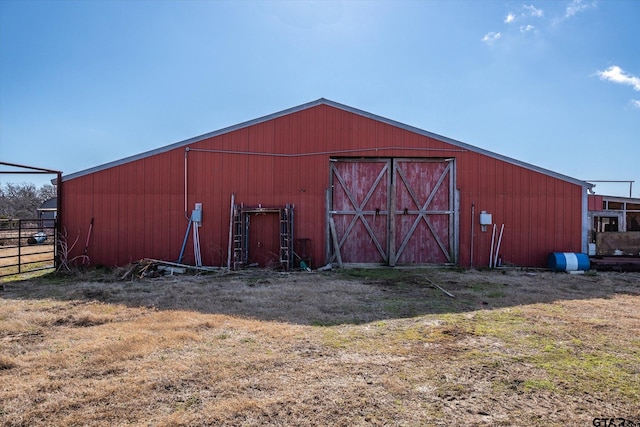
(374, 347)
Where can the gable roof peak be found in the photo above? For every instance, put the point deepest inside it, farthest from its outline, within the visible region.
(328, 102)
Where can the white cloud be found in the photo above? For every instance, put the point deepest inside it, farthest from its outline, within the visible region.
(616, 74)
(533, 11)
(526, 28)
(635, 103)
(510, 18)
(577, 6)
(491, 37)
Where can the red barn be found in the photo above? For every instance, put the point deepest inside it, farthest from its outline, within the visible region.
(327, 183)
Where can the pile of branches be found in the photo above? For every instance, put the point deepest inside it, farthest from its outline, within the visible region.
(140, 270)
(151, 268)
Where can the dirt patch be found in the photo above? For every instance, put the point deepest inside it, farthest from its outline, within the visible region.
(348, 296)
(353, 347)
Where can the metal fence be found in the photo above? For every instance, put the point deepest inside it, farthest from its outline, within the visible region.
(27, 245)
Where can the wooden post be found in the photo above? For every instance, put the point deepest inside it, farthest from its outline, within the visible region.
(233, 196)
(336, 244)
(391, 216)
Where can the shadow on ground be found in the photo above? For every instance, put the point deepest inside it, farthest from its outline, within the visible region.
(348, 296)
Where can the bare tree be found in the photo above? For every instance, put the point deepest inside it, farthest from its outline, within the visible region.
(22, 200)
(46, 192)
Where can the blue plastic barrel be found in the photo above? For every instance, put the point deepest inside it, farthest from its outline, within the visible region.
(568, 261)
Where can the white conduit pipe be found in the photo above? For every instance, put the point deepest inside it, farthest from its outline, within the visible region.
(473, 216)
(196, 245)
(186, 151)
(495, 257)
(493, 238)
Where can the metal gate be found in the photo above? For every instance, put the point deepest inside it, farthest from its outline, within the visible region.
(393, 211)
(26, 245)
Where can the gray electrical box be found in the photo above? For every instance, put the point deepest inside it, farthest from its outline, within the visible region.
(196, 214)
(485, 218)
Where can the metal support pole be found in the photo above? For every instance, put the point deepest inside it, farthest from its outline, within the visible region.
(473, 215)
(58, 222)
(615, 181)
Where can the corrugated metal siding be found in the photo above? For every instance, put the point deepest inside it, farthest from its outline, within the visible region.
(595, 202)
(139, 206)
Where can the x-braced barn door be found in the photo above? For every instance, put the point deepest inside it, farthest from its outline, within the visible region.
(423, 211)
(393, 211)
(360, 209)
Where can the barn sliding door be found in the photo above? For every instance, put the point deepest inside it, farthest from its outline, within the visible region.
(360, 209)
(393, 211)
(423, 211)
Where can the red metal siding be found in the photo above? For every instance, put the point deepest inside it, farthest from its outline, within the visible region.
(541, 214)
(139, 206)
(595, 202)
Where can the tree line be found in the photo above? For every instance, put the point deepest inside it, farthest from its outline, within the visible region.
(22, 200)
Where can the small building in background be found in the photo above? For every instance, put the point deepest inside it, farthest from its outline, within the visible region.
(48, 211)
(614, 226)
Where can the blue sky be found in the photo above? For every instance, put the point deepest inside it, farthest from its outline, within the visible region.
(552, 83)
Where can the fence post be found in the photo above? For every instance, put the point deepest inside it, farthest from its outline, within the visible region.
(56, 249)
(19, 246)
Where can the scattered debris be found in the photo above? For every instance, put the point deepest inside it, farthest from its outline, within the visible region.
(440, 288)
(172, 270)
(615, 263)
(303, 265)
(149, 268)
(140, 270)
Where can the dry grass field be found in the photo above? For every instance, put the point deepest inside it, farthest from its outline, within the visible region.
(341, 348)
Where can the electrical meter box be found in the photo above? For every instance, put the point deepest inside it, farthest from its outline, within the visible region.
(485, 218)
(196, 214)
